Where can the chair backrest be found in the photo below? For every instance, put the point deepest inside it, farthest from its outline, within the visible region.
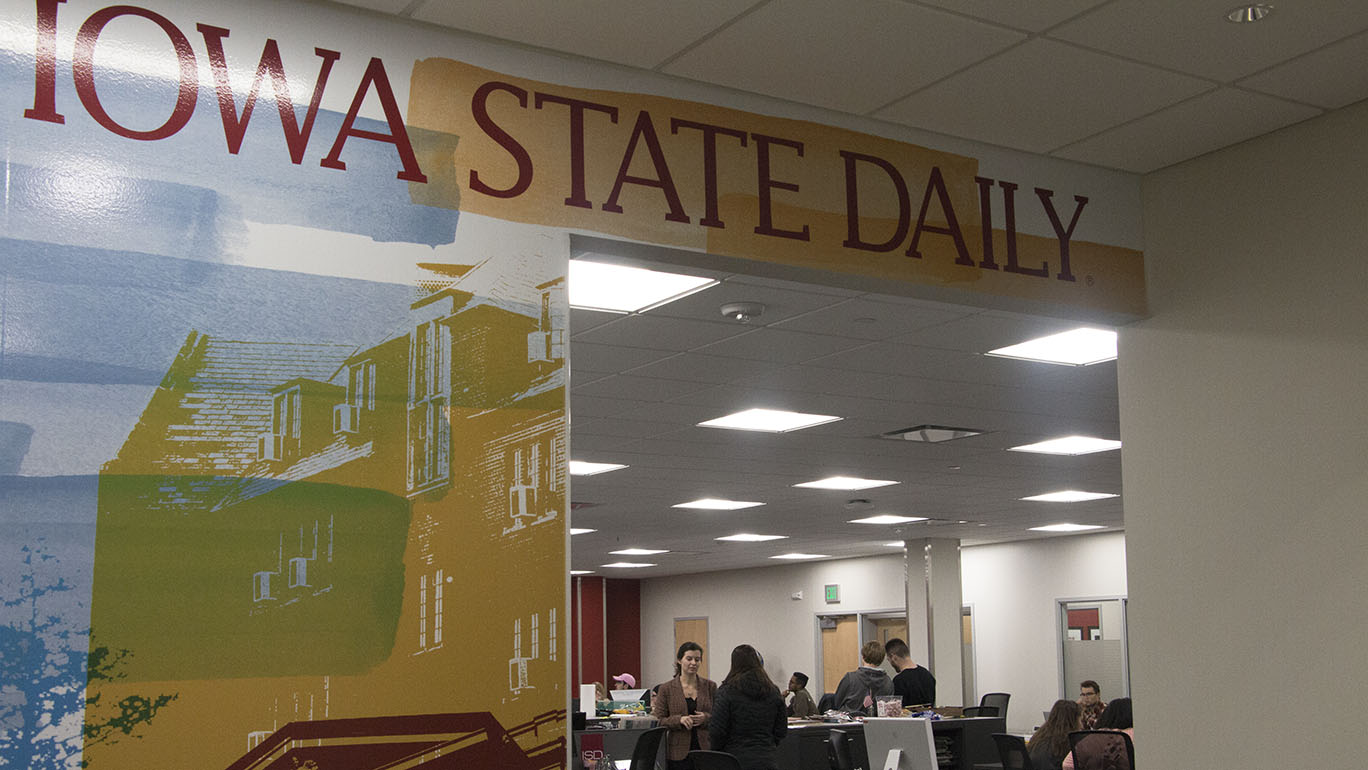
(840, 750)
(998, 700)
(980, 711)
(1102, 750)
(1012, 752)
(714, 760)
(826, 703)
(646, 749)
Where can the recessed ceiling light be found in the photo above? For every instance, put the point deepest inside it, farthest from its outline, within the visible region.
(930, 434)
(894, 544)
(887, 518)
(1079, 347)
(627, 565)
(714, 504)
(637, 552)
(581, 530)
(1068, 496)
(621, 289)
(581, 572)
(845, 482)
(582, 468)
(798, 556)
(769, 420)
(1066, 527)
(1248, 14)
(746, 537)
(1069, 445)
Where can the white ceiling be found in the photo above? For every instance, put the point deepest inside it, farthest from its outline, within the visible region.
(1134, 85)
(1128, 84)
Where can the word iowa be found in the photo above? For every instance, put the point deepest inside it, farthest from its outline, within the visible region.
(270, 70)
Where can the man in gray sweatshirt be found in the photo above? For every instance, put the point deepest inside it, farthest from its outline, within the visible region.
(857, 689)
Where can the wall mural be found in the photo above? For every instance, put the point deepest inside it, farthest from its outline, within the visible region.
(283, 319)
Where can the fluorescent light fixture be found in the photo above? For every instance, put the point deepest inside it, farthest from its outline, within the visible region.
(1066, 527)
(894, 544)
(637, 552)
(1079, 347)
(799, 556)
(581, 530)
(627, 565)
(887, 518)
(845, 482)
(746, 537)
(714, 504)
(1069, 445)
(582, 468)
(1068, 496)
(581, 572)
(621, 289)
(769, 420)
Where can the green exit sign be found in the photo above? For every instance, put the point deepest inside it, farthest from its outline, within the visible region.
(833, 594)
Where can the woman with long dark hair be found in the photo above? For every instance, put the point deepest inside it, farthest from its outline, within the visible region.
(1116, 716)
(1050, 744)
(749, 717)
(683, 706)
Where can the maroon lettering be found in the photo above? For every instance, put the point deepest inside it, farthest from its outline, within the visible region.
(766, 183)
(985, 188)
(1009, 222)
(644, 131)
(577, 108)
(83, 72)
(398, 136)
(853, 239)
(235, 127)
(1065, 269)
(45, 65)
(710, 133)
(936, 184)
(479, 107)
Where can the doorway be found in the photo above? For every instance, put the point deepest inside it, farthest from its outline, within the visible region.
(1092, 645)
(693, 630)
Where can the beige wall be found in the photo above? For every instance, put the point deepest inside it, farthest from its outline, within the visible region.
(1245, 432)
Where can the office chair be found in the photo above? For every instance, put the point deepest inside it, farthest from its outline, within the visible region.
(1012, 751)
(840, 750)
(826, 703)
(997, 699)
(980, 711)
(714, 760)
(646, 749)
(1102, 750)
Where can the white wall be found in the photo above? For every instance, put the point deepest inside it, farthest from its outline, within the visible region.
(1012, 586)
(1245, 432)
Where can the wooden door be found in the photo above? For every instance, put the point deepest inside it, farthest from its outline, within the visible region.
(693, 630)
(890, 628)
(840, 651)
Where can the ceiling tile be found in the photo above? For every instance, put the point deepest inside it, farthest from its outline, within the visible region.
(780, 304)
(640, 33)
(588, 357)
(1195, 127)
(1041, 95)
(868, 320)
(582, 320)
(653, 332)
(846, 56)
(383, 6)
(696, 367)
(1193, 35)
(638, 388)
(780, 345)
(1330, 77)
(1033, 16)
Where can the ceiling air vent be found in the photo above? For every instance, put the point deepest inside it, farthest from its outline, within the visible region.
(930, 434)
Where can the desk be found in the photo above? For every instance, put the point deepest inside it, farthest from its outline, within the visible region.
(616, 743)
(968, 742)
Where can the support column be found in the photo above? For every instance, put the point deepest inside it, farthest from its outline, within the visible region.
(934, 625)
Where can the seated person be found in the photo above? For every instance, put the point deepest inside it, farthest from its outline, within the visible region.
(1050, 744)
(1101, 754)
(802, 704)
(624, 682)
(915, 684)
(857, 689)
(1090, 698)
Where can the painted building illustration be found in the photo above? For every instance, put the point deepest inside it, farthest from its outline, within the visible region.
(318, 543)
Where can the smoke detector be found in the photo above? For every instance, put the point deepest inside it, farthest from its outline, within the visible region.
(743, 311)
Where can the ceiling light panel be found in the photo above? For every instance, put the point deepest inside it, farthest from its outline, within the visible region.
(582, 468)
(581, 530)
(1067, 527)
(1069, 496)
(714, 504)
(637, 552)
(845, 483)
(1069, 445)
(768, 421)
(887, 518)
(1079, 347)
(627, 565)
(581, 572)
(800, 556)
(622, 289)
(746, 537)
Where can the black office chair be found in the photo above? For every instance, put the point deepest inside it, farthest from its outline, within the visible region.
(714, 760)
(1102, 750)
(1012, 752)
(646, 749)
(997, 699)
(840, 750)
(826, 703)
(980, 711)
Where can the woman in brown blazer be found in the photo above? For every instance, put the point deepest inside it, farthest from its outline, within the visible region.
(682, 705)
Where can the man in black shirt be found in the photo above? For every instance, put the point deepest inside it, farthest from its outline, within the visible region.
(914, 683)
